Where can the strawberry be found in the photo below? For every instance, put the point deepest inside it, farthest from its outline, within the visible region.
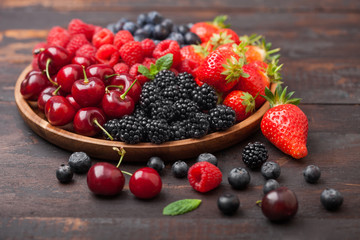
(258, 49)
(221, 69)
(196, 53)
(219, 39)
(242, 103)
(206, 29)
(284, 124)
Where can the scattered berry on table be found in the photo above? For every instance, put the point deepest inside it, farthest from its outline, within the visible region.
(221, 118)
(79, 162)
(204, 176)
(180, 169)
(207, 157)
(270, 170)
(145, 183)
(64, 173)
(270, 185)
(331, 199)
(239, 178)
(254, 155)
(156, 163)
(312, 173)
(228, 203)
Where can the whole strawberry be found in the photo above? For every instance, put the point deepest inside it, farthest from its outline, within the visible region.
(206, 29)
(284, 124)
(241, 102)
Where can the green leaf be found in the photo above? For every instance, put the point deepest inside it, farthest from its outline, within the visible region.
(145, 71)
(181, 207)
(153, 69)
(164, 62)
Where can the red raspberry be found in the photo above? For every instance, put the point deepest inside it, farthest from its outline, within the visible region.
(58, 36)
(204, 176)
(76, 26)
(87, 51)
(148, 47)
(166, 47)
(104, 36)
(135, 74)
(107, 54)
(97, 29)
(189, 66)
(148, 61)
(75, 43)
(121, 68)
(122, 37)
(131, 53)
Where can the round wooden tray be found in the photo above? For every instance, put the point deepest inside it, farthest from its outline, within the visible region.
(102, 149)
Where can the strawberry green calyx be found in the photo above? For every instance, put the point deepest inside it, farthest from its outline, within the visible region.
(234, 69)
(280, 97)
(249, 101)
(253, 39)
(219, 21)
(201, 50)
(273, 71)
(165, 62)
(218, 39)
(259, 41)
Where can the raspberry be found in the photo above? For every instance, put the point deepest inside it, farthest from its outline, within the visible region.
(107, 54)
(58, 36)
(104, 36)
(76, 26)
(148, 47)
(204, 176)
(148, 61)
(131, 53)
(166, 47)
(87, 51)
(75, 43)
(134, 73)
(122, 37)
(121, 68)
(97, 29)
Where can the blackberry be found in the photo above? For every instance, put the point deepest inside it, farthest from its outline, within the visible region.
(183, 108)
(205, 97)
(171, 93)
(197, 125)
(79, 162)
(178, 130)
(130, 130)
(186, 83)
(149, 95)
(158, 131)
(162, 109)
(221, 118)
(164, 78)
(112, 127)
(254, 155)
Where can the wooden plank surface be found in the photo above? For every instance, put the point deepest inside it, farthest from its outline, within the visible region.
(320, 51)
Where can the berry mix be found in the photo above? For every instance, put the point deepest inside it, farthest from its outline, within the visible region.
(155, 81)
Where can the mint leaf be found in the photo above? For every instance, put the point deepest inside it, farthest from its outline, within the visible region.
(153, 70)
(164, 62)
(181, 207)
(145, 71)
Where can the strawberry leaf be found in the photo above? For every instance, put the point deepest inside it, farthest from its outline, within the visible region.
(181, 207)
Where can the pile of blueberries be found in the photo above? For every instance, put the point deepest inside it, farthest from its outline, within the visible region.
(154, 26)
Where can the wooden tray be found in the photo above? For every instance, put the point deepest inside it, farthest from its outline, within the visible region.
(102, 149)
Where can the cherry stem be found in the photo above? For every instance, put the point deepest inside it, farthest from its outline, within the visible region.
(258, 203)
(127, 173)
(48, 61)
(56, 91)
(86, 80)
(113, 86)
(103, 129)
(121, 152)
(38, 50)
(127, 90)
(112, 75)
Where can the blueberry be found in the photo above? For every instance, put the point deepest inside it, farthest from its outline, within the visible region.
(177, 37)
(331, 199)
(64, 173)
(141, 33)
(130, 26)
(119, 24)
(189, 25)
(191, 38)
(270, 170)
(156, 163)
(312, 173)
(239, 178)
(80, 162)
(168, 24)
(270, 185)
(180, 169)
(160, 32)
(154, 17)
(112, 27)
(183, 29)
(207, 157)
(141, 19)
(149, 29)
(228, 203)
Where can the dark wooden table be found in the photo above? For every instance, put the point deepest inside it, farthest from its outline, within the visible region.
(320, 47)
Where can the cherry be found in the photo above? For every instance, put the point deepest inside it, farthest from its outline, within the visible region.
(72, 101)
(46, 94)
(279, 204)
(67, 75)
(125, 80)
(82, 61)
(88, 92)
(101, 71)
(145, 183)
(88, 121)
(117, 105)
(105, 179)
(33, 84)
(52, 59)
(59, 111)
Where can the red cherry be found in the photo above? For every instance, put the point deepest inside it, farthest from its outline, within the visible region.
(279, 204)
(67, 75)
(87, 121)
(82, 61)
(125, 80)
(101, 71)
(145, 183)
(59, 111)
(105, 179)
(46, 94)
(72, 101)
(34, 83)
(52, 59)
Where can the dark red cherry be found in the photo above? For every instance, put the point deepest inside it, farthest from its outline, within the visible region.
(125, 80)
(72, 101)
(59, 111)
(145, 183)
(67, 75)
(34, 83)
(101, 71)
(82, 61)
(87, 121)
(52, 59)
(46, 94)
(279, 204)
(116, 106)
